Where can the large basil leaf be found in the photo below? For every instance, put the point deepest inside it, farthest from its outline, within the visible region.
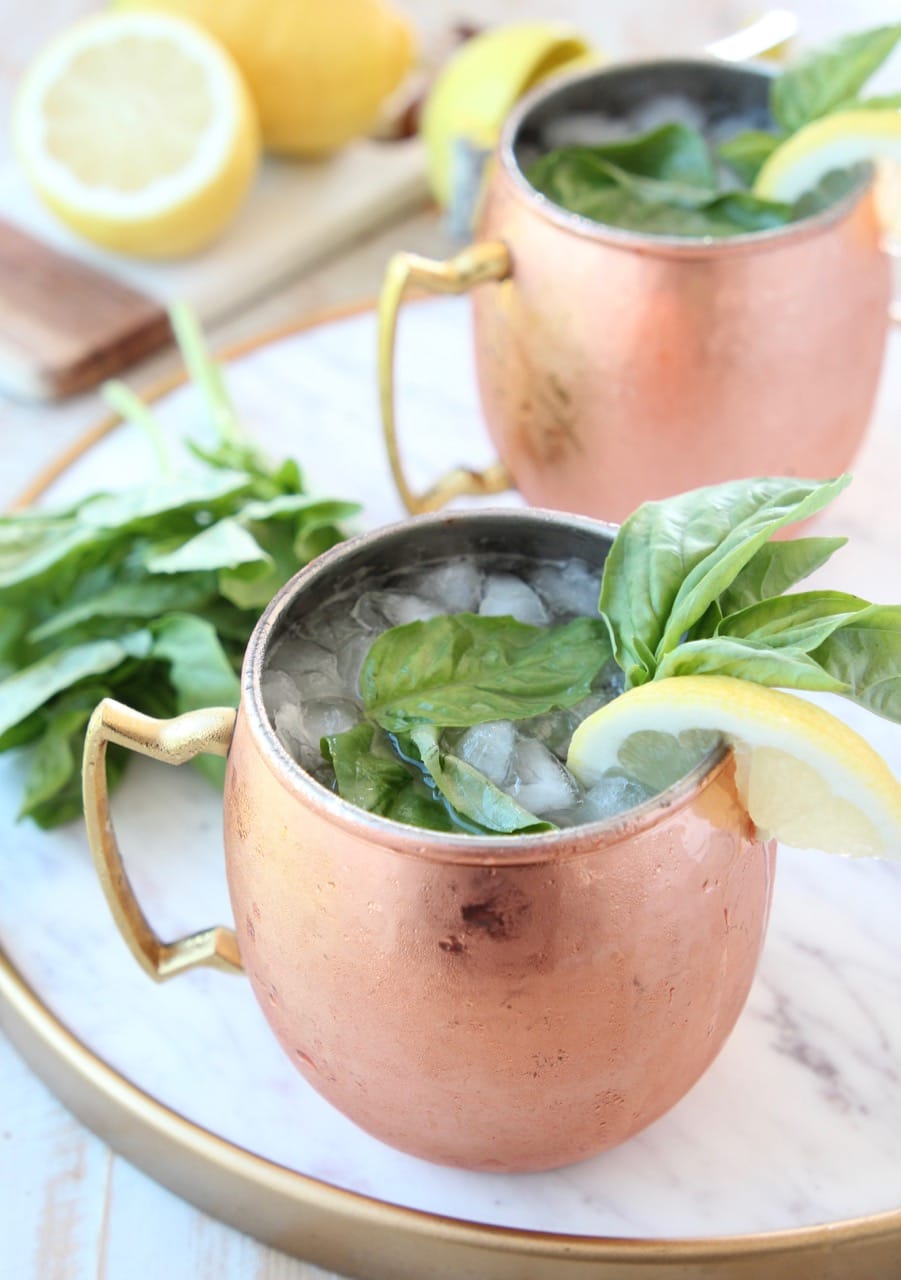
(774, 568)
(469, 791)
(824, 79)
(55, 758)
(461, 669)
(671, 559)
(145, 597)
(381, 783)
(26, 690)
(671, 153)
(787, 668)
(801, 621)
(223, 545)
(865, 653)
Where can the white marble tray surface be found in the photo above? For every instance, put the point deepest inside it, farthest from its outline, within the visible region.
(798, 1122)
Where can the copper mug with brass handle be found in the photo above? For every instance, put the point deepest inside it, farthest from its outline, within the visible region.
(616, 367)
(493, 1002)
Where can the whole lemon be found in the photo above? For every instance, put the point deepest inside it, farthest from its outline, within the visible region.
(318, 70)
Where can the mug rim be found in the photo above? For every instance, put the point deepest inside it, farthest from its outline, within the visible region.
(650, 242)
(560, 844)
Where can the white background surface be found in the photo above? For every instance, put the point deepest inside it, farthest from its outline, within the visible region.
(70, 1208)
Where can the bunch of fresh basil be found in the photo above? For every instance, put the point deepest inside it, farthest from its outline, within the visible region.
(148, 594)
(666, 182)
(692, 584)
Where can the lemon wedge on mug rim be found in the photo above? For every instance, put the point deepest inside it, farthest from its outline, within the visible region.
(834, 142)
(805, 777)
(138, 131)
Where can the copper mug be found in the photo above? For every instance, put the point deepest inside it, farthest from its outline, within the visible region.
(615, 367)
(504, 1003)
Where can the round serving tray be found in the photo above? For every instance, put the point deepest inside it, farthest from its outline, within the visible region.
(785, 1160)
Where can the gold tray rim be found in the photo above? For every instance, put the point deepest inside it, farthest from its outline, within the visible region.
(345, 1230)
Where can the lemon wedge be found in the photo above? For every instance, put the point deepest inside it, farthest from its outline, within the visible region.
(836, 142)
(805, 777)
(138, 131)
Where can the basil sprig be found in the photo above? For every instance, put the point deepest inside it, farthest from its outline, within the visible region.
(665, 182)
(693, 586)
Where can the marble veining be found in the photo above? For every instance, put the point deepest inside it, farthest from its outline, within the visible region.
(799, 1119)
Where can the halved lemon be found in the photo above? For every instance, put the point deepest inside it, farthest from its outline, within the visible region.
(138, 131)
(836, 142)
(804, 775)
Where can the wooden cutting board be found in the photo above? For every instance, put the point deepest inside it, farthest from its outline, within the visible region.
(72, 314)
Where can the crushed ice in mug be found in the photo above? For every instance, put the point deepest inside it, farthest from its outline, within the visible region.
(311, 690)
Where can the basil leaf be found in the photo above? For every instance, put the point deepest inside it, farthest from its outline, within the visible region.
(821, 81)
(143, 505)
(382, 783)
(223, 545)
(672, 559)
(747, 659)
(144, 597)
(801, 621)
(742, 212)
(200, 672)
(314, 511)
(470, 792)
(251, 586)
(776, 567)
(745, 152)
(865, 653)
(32, 687)
(55, 758)
(461, 669)
(671, 153)
(758, 509)
(586, 181)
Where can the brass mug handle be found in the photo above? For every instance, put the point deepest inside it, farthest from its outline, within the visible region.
(476, 264)
(172, 741)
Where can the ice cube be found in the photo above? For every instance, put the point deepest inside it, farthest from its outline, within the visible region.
(667, 108)
(456, 587)
(289, 727)
(312, 666)
(568, 590)
(541, 783)
(613, 793)
(324, 717)
(378, 610)
(351, 656)
(554, 729)
(584, 130)
(277, 688)
(488, 747)
(506, 595)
